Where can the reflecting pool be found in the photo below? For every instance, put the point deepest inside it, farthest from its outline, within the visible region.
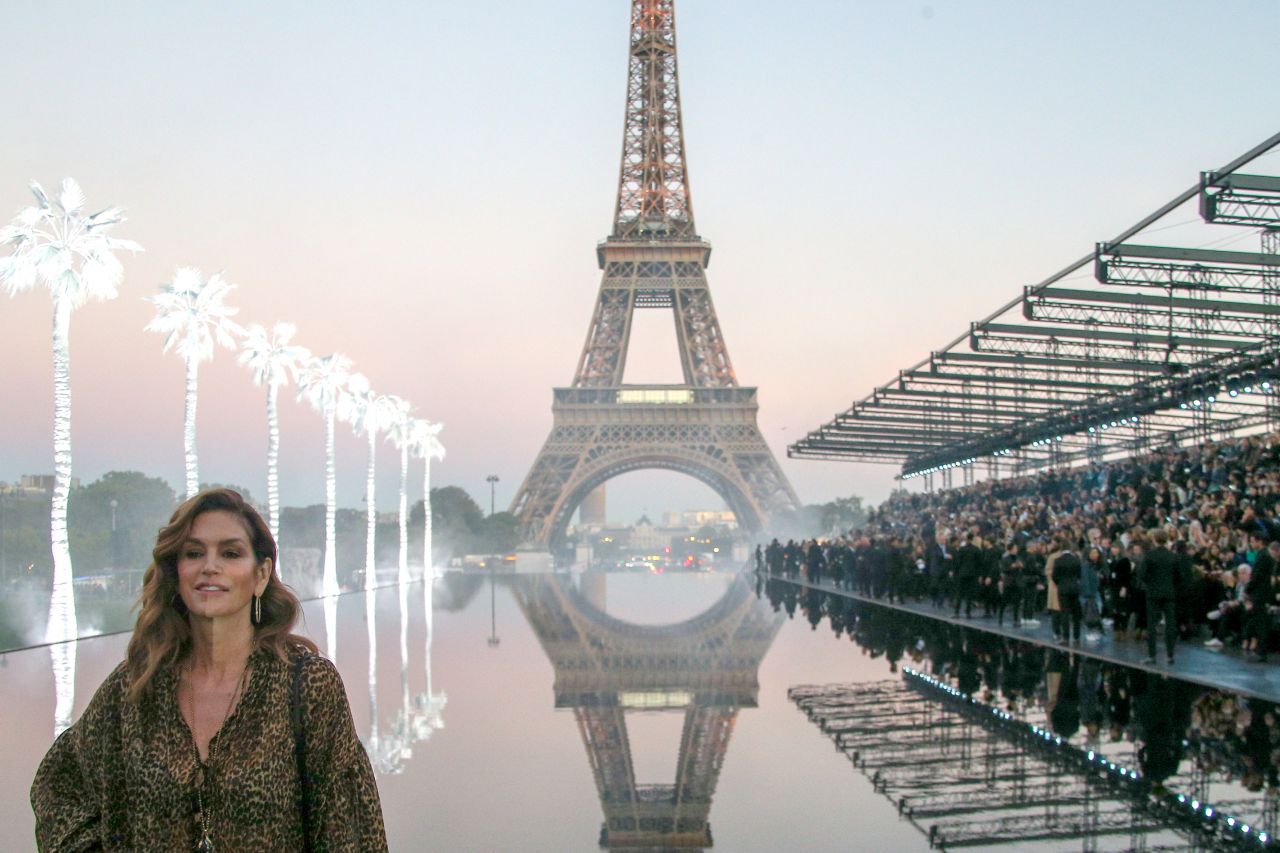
(702, 711)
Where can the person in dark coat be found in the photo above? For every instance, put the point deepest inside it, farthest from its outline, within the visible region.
(1120, 590)
(1066, 576)
(1259, 595)
(791, 555)
(1158, 574)
(773, 557)
(814, 562)
(1033, 584)
(968, 565)
(990, 578)
(1010, 585)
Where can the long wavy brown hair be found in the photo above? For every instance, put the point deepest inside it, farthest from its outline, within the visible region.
(162, 634)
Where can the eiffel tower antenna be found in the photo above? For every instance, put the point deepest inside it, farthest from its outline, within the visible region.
(653, 188)
(705, 426)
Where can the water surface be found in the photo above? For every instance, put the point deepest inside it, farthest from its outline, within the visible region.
(566, 712)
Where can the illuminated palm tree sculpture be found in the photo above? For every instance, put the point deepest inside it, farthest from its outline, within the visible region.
(369, 413)
(274, 361)
(192, 314)
(400, 430)
(56, 244)
(426, 444)
(323, 381)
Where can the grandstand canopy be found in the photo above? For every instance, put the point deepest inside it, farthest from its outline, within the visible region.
(1135, 344)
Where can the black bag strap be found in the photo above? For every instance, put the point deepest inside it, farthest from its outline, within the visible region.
(300, 747)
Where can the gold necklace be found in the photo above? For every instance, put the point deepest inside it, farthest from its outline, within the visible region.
(205, 844)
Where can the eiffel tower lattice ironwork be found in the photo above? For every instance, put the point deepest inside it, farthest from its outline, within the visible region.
(705, 426)
(705, 668)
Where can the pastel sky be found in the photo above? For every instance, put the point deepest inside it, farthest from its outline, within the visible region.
(421, 186)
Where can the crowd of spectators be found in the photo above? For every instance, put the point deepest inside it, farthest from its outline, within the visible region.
(1186, 536)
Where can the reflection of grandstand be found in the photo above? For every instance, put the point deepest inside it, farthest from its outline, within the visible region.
(964, 777)
(705, 667)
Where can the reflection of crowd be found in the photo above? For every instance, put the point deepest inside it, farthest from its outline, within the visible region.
(1185, 536)
(1167, 720)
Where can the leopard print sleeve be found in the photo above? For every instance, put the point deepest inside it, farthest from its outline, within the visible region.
(66, 793)
(345, 814)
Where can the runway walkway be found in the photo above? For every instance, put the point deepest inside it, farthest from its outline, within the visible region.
(1222, 669)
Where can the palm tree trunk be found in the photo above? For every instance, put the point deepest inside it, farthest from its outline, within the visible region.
(62, 606)
(428, 564)
(371, 516)
(330, 578)
(273, 464)
(404, 513)
(189, 430)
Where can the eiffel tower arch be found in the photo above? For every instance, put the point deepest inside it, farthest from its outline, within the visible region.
(704, 426)
(705, 668)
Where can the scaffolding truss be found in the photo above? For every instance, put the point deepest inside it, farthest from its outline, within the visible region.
(1166, 344)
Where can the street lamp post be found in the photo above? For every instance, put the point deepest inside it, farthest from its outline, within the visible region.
(115, 538)
(492, 480)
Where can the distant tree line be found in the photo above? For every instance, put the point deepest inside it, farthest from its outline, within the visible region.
(143, 505)
(820, 520)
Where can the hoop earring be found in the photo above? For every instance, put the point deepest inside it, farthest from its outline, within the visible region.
(257, 610)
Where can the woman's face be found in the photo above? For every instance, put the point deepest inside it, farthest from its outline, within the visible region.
(217, 572)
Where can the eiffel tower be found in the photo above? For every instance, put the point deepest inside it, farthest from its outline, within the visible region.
(654, 259)
(704, 668)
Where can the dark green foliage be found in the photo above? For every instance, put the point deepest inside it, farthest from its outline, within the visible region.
(143, 505)
(460, 527)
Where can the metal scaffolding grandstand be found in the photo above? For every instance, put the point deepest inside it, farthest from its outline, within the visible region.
(1167, 344)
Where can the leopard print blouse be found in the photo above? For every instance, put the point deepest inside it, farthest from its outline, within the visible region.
(124, 777)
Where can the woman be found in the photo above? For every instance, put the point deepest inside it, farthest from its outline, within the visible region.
(1053, 603)
(202, 738)
(1120, 589)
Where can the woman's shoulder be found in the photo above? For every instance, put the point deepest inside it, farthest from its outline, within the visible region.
(114, 686)
(317, 676)
(105, 707)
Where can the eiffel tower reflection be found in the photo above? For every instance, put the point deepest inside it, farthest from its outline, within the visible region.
(705, 668)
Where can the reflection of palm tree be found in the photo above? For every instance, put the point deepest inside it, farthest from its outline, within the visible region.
(64, 684)
(273, 361)
(71, 255)
(426, 444)
(192, 315)
(389, 752)
(419, 716)
(382, 752)
(403, 726)
(323, 381)
(369, 413)
(427, 715)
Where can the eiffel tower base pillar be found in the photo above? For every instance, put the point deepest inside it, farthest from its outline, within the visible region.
(598, 433)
